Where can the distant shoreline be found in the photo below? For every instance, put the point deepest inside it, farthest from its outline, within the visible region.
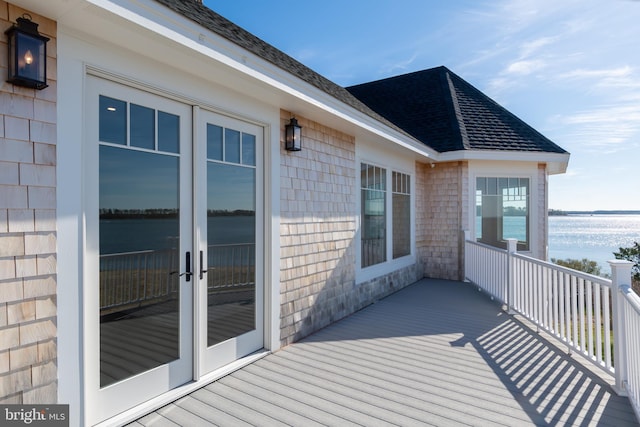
(556, 212)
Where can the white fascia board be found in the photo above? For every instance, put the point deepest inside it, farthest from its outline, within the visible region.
(557, 162)
(160, 20)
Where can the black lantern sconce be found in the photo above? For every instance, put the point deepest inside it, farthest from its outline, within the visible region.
(27, 54)
(293, 136)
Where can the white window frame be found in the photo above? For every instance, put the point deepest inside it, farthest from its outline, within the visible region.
(491, 169)
(390, 264)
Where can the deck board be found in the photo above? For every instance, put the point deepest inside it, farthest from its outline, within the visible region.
(436, 353)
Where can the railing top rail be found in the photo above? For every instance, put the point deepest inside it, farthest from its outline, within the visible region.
(631, 297)
(485, 246)
(576, 273)
(148, 251)
(226, 245)
(579, 274)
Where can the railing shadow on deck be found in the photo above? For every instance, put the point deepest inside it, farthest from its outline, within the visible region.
(594, 317)
(549, 385)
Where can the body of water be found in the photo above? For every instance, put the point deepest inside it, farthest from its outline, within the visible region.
(595, 237)
(129, 235)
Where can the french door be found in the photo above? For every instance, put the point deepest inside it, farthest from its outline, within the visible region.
(229, 239)
(172, 283)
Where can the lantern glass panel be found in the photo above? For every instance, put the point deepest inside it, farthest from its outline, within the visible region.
(293, 136)
(30, 57)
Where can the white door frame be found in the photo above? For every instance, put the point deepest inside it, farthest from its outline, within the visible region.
(209, 359)
(102, 403)
(266, 229)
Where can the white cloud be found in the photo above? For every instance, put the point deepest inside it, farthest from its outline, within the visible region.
(400, 66)
(611, 73)
(524, 67)
(531, 47)
(608, 127)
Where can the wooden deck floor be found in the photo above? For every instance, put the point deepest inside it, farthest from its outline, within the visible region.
(436, 353)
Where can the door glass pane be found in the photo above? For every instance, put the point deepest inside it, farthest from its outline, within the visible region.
(139, 243)
(231, 235)
(248, 149)
(168, 132)
(231, 146)
(143, 127)
(214, 142)
(113, 121)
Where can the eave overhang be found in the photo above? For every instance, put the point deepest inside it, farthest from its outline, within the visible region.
(171, 37)
(556, 162)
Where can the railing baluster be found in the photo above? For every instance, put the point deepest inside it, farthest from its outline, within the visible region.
(574, 311)
(590, 325)
(546, 297)
(556, 301)
(561, 302)
(581, 314)
(607, 327)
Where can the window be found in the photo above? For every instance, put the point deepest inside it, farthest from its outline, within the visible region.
(502, 211)
(381, 215)
(374, 198)
(401, 214)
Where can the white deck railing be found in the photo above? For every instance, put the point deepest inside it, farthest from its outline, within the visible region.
(627, 321)
(137, 278)
(231, 266)
(593, 316)
(134, 279)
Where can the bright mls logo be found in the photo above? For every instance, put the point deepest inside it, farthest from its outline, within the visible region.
(34, 415)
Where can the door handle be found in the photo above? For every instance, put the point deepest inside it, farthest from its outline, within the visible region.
(202, 270)
(188, 273)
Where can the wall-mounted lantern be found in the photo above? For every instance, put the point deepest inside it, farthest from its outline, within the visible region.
(293, 136)
(27, 54)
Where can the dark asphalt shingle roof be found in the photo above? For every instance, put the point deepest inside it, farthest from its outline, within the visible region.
(435, 107)
(447, 113)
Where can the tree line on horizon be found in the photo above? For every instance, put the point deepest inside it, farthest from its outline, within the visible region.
(560, 212)
(111, 213)
(588, 266)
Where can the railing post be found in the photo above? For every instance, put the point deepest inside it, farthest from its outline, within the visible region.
(512, 248)
(466, 236)
(620, 276)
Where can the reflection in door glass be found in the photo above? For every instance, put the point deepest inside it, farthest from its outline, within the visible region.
(168, 132)
(113, 120)
(248, 149)
(231, 146)
(143, 127)
(214, 142)
(139, 244)
(231, 235)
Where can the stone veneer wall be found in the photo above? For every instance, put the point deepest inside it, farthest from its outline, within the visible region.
(28, 354)
(317, 232)
(442, 201)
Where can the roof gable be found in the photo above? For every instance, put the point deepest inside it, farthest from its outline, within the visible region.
(448, 114)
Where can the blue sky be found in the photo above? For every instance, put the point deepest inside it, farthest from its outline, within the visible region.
(570, 68)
